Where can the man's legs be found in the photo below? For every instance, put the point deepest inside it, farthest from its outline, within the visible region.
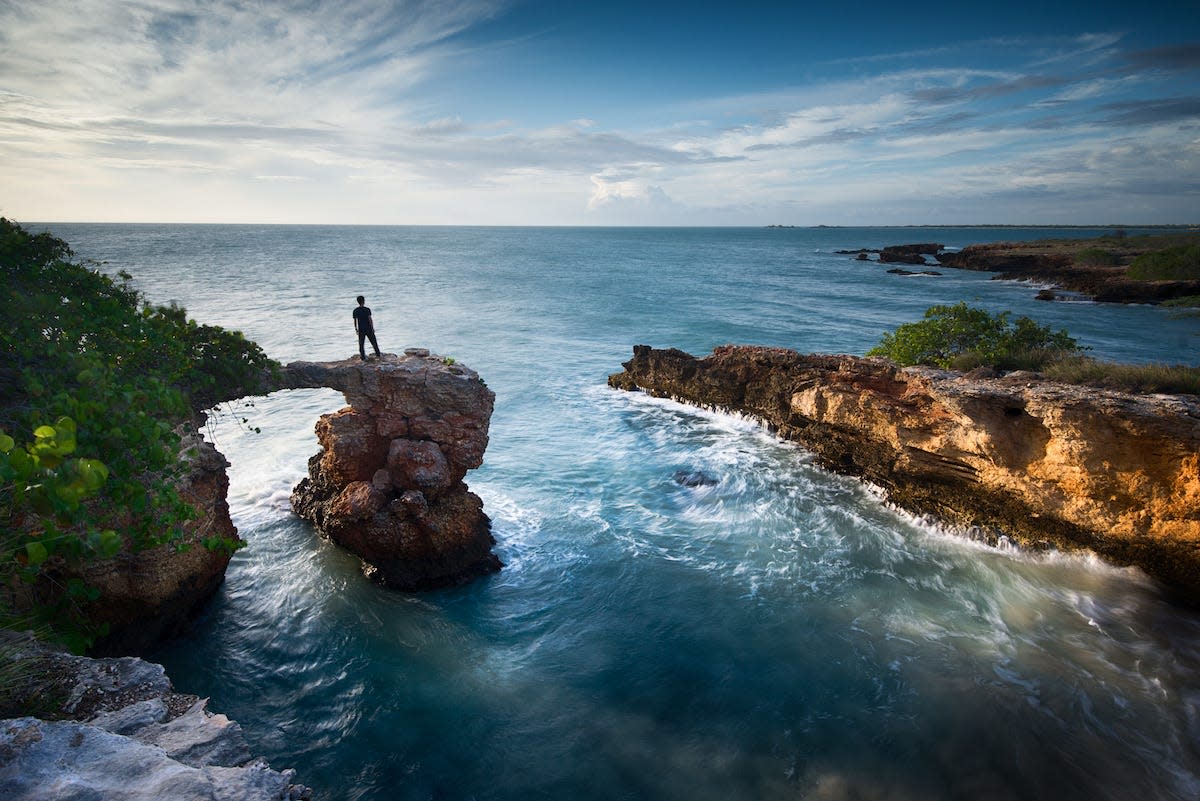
(374, 344)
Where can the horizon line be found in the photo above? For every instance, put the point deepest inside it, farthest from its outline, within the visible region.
(1193, 225)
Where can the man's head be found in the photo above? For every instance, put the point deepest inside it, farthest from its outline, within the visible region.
(361, 300)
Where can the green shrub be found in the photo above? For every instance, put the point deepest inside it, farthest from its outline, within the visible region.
(1096, 257)
(962, 337)
(1180, 263)
(93, 383)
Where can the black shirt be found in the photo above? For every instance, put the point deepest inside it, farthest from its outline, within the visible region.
(362, 316)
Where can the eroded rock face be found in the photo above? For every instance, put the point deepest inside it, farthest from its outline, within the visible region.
(388, 483)
(115, 729)
(150, 595)
(1040, 462)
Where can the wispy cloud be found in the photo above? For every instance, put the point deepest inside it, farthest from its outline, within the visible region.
(321, 111)
(1154, 111)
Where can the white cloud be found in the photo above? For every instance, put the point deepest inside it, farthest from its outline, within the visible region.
(232, 111)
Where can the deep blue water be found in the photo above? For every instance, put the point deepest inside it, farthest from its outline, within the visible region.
(780, 634)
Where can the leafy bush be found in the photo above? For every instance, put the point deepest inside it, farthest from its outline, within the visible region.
(1096, 257)
(962, 336)
(1180, 263)
(93, 383)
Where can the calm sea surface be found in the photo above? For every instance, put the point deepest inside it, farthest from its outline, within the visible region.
(780, 634)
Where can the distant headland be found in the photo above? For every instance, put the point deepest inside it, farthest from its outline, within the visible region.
(1161, 268)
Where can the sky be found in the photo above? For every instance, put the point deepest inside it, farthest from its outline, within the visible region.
(532, 112)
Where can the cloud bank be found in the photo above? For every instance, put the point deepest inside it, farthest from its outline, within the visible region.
(320, 112)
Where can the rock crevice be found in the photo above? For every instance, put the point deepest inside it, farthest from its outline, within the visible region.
(1036, 461)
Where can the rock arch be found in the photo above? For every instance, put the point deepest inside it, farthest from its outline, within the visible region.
(388, 482)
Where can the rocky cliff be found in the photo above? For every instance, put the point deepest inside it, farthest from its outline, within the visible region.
(388, 483)
(116, 729)
(1039, 462)
(147, 596)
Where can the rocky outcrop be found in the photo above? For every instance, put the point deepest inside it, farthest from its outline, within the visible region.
(1039, 462)
(149, 595)
(909, 254)
(115, 729)
(388, 483)
(902, 271)
(1056, 262)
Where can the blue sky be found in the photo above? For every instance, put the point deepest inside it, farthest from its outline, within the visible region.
(558, 113)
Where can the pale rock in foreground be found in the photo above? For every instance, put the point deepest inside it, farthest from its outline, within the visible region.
(127, 736)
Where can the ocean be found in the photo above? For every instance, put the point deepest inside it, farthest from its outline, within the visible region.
(779, 633)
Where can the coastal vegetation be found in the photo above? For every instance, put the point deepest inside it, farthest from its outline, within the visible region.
(1178, 263)
(1097, 257)
(1177, 379)
(96, 384)
(1117, 268)
(962, 337)
(1149, 257)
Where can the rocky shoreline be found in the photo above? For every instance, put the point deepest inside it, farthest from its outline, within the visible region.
(116, 729)
(1055, 263)
(387, 485)
(1041, 463)
(148, 596)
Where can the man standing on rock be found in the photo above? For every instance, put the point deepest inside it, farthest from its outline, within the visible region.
(365, 328)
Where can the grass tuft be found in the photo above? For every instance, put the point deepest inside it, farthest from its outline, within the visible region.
(1176, 379)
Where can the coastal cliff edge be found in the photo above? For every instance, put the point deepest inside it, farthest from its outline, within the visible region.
(1042, 463)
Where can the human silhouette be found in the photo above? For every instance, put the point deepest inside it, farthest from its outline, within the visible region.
(365, 327)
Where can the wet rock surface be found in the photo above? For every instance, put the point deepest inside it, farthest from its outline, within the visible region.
(1039, 462)
(388, 482)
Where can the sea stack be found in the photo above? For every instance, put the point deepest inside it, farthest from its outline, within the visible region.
(388, 482)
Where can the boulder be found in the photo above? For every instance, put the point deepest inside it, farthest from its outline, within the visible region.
(388, 484)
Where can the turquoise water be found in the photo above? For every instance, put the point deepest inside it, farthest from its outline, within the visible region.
(781, 633)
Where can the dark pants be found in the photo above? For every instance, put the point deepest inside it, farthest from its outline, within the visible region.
(364, 335)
